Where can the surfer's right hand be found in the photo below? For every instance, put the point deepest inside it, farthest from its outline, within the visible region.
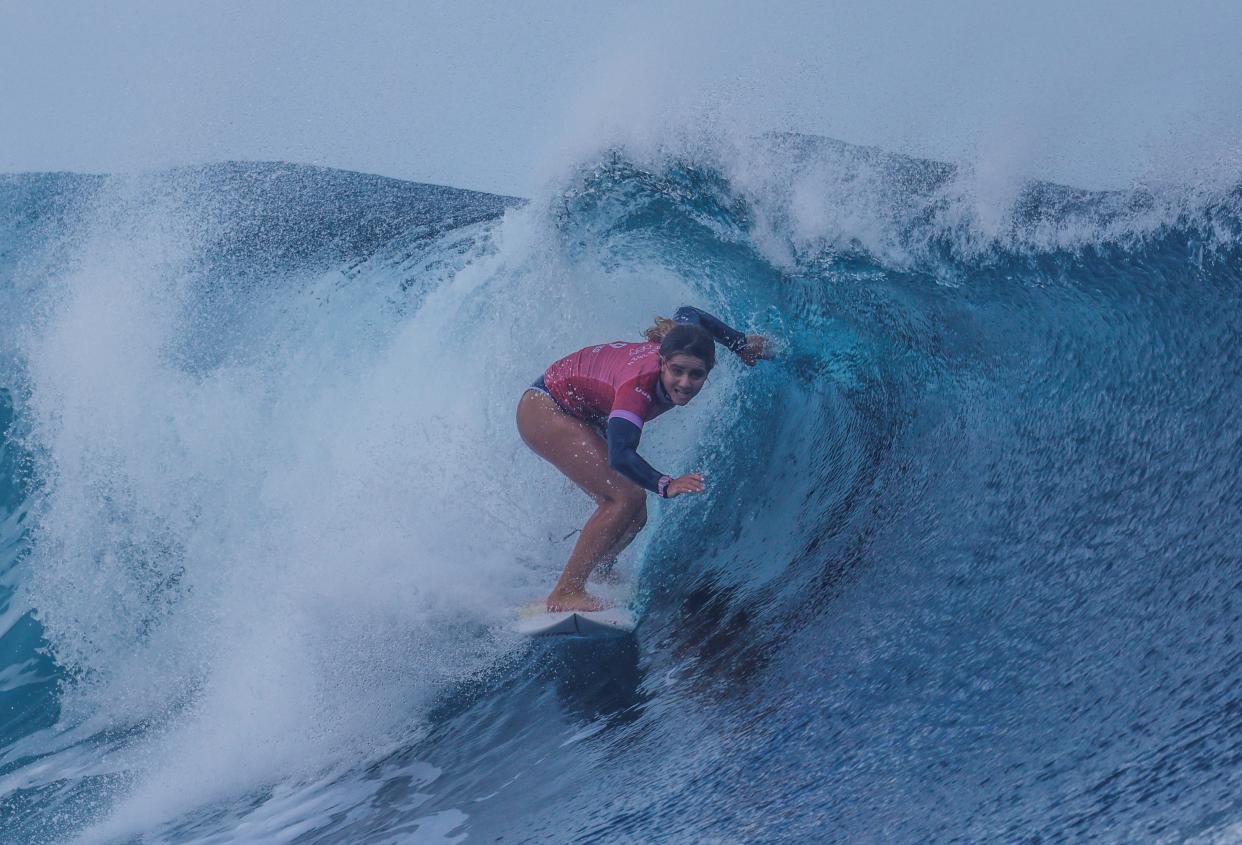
(692, 483)
(758, 348)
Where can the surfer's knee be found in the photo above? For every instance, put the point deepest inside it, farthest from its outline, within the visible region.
(631, 499)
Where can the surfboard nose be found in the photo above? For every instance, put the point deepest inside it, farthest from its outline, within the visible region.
(613, 622)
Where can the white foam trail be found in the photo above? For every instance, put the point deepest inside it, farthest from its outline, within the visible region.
(280, 560)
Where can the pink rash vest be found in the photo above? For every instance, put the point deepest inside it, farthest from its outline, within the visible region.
(616, 387)
(611, 380)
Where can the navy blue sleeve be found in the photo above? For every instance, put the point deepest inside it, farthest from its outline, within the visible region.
(729, 338)
(622, 455)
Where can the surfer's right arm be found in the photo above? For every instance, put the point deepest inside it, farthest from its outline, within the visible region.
(751, 348)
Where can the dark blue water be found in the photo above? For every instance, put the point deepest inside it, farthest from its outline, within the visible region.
(968, 569)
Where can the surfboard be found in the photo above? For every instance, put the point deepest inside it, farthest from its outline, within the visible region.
(535, 621)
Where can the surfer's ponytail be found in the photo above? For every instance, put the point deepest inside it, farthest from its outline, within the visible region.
(658, 331)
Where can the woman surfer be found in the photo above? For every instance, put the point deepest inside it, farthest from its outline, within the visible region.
(585, 415)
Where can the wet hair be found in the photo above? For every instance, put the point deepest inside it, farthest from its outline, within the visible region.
(661, 327)
(688, 339)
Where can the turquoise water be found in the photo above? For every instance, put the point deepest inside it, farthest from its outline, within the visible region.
(966, 570)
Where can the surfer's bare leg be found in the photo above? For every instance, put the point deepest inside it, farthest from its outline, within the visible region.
(603, 570)
(581, 454)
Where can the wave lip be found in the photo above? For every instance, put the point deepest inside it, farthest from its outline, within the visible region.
(811, 194)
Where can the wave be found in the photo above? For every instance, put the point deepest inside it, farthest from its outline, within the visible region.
(964, 570)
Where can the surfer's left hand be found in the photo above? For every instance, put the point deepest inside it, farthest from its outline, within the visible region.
(757, 348)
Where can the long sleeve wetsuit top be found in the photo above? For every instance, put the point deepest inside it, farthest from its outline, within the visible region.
(618, 385)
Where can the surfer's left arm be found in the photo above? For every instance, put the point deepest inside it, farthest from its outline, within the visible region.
(624, 458)
(623, 455)
(751, 348)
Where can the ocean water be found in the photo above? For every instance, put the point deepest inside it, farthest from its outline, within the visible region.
(967, 569)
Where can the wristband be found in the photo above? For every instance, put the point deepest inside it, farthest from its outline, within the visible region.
(662, 486)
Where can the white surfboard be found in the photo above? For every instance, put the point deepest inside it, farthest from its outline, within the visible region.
(536, 621)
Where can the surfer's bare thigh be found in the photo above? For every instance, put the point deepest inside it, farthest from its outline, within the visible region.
(574, 448)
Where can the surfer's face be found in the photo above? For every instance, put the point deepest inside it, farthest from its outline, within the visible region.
(682, 377)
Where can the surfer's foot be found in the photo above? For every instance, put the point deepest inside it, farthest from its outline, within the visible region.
(580, 602)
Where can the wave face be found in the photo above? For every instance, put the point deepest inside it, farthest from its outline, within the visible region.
(967, 568)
